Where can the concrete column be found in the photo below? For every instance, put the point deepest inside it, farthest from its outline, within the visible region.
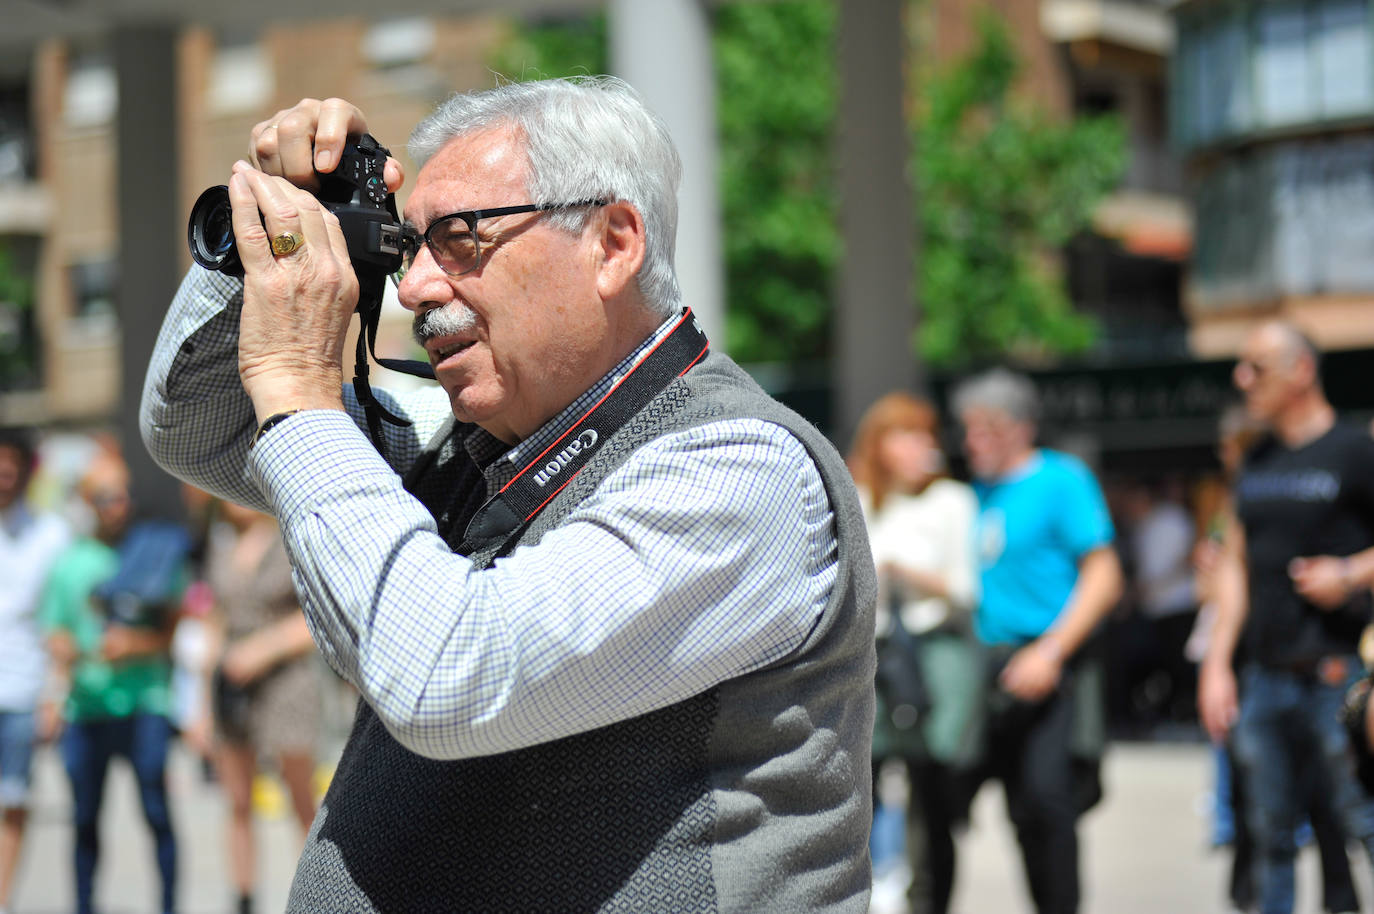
(663, 49)
(875, 316)
(151, 231)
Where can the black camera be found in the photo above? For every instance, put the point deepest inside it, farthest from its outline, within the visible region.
(355, 192)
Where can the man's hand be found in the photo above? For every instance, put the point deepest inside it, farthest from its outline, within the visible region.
(1323, 581)
(1216, 700)
(119, 643)
(249, 658)
(122, 642)
(309, 137)
(296, 307)
(1033, 672)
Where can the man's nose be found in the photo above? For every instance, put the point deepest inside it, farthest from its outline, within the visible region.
(424, 286)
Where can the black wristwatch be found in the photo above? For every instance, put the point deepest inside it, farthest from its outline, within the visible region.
(272, 422)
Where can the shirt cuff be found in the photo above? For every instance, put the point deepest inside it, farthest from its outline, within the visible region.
(316, 454)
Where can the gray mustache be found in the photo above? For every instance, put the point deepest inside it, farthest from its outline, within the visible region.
(445, 321)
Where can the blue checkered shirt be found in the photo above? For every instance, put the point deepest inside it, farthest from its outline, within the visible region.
(709, 553)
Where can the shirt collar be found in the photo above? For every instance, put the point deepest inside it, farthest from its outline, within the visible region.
(501, 462)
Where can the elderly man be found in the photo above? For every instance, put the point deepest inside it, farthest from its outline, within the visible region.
(650, 688)
(1049, 577)
(1293, 597)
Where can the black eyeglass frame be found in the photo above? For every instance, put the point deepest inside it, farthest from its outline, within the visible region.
(411, 238)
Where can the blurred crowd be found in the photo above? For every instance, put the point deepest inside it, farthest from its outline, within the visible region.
(120, 634)
(1028, 613)
(1032, 613)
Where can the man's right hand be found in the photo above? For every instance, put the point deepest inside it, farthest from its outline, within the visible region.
(1216, 700)
(297, 142)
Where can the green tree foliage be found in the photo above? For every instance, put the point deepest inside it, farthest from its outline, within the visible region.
(553, 48)
(775, 106)
(999, 189)
(18, 351)
(775, 78)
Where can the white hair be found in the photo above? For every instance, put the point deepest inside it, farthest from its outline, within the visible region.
(1001, 390)
(586, 138)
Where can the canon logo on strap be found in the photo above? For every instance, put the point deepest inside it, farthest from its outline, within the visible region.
(582, 443)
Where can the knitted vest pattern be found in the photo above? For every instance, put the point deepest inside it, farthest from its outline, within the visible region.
(753, 796)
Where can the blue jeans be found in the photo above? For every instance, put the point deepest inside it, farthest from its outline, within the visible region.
(87, 747)
(16, 758)
(1295, 754)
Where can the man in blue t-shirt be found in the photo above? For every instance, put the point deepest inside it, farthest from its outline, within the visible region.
(1049, 576)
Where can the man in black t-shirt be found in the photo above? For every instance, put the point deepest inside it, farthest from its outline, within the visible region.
(1292, 600)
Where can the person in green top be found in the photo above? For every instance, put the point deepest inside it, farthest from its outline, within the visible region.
(118, 675)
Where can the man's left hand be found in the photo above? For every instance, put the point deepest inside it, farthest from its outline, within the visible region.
(121, 643)
(1032, 673)
(1323, 581)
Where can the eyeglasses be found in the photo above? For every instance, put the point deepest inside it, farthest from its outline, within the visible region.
(453, 241)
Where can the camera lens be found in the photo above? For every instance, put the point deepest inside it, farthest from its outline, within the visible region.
(210, 232)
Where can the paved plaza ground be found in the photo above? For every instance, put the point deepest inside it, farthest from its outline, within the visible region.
(1143, 847)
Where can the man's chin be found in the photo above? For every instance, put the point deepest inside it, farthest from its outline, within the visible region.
(472, 410)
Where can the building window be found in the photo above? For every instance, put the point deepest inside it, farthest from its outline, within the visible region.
(1290, 219)
(93, 290)
(20, 354)
(398, 42)
(1247, 67)
(16, 135)
(241, 77)
(1345, 82)
(91, 94)
(1282, 74)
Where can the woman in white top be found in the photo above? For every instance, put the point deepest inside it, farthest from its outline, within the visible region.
(920, 527)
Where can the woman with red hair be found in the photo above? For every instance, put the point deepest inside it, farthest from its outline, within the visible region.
(920, 526)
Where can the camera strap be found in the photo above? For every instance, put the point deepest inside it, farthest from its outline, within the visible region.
(370, 291)
(548, 473)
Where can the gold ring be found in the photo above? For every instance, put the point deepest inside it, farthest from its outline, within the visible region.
(284, 243)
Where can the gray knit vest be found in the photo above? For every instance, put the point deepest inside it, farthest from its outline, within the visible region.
(751, 797)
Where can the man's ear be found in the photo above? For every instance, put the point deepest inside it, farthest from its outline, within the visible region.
(1305, 370)
(621, 248)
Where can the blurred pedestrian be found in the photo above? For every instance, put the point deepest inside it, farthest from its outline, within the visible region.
(107, 609)
(30, 542)
(194, 649)
(1161, 541)
(1238, 432)
(266, 694)
(920, 526)
(1049, 576)
(1292, 590)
